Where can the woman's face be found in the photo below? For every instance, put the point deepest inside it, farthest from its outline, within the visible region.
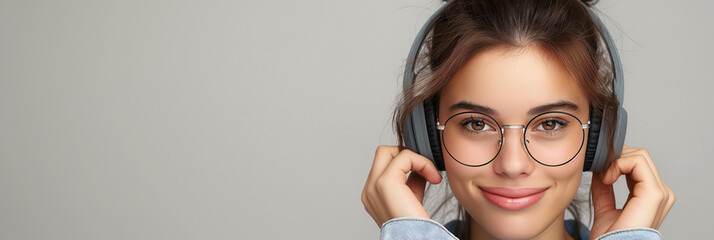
(511, 83)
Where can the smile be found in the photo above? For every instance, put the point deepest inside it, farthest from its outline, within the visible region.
(513, 198)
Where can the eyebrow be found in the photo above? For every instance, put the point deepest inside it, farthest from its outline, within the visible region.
(565, 105)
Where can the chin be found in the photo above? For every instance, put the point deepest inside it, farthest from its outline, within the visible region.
(522, 226)
(512, 231)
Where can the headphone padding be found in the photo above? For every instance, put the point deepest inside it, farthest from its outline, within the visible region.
(593, 139)
(618, 141)
(430, 114)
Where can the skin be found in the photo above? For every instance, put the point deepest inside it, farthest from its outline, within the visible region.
(512, 81)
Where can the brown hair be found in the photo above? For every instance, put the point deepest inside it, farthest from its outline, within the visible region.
(562, 28)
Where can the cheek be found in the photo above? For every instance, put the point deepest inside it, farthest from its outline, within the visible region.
(566, 181)
(568, 172)
(569, 175)
(567, 178)
(463, 181)
(461, 176)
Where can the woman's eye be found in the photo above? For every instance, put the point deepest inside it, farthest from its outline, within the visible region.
(549, 125)
(477, 125)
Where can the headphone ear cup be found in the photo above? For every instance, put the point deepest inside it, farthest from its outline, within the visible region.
(618, 140)
(415, 134)
(431, 113)
(593, 140)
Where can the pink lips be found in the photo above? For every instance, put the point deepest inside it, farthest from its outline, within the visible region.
(513, 198)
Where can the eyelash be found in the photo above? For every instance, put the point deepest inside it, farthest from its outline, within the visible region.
(561, 124)
(465, 122)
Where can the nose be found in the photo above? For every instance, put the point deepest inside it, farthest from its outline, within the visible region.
(513, 161)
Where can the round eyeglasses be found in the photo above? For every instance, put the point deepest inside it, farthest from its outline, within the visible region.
(474, 139)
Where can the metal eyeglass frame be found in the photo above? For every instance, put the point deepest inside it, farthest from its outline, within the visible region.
(525, 141)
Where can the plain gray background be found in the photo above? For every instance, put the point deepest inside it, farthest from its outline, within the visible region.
(259, 119)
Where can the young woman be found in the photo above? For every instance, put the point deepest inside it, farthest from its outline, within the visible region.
(514, 84)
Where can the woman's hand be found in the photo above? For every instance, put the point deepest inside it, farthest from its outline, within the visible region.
(649, 200)
(388, 193)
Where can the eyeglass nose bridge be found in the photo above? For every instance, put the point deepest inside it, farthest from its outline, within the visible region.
(503, 133)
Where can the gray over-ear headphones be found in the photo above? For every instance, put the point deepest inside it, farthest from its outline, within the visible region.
(421, 136)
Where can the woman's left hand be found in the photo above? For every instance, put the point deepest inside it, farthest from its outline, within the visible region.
(649, 200)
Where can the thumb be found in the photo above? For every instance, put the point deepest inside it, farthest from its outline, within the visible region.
(417, 184)
(603, 194)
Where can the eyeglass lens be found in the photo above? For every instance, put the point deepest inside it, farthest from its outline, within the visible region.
(475, 139)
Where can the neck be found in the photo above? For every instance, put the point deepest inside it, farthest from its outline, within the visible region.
(555, 230)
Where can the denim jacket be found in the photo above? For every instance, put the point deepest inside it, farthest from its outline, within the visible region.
(423, 228)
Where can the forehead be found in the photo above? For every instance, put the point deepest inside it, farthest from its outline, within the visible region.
(512, 81)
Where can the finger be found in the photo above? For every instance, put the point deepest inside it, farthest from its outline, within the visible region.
(641, 151)
(668, 198)
(393, 181)
(382, 157)
(603, 195)
(644, 154)
(643, 206)
(407, 161)
(417, 184)
(635, 166)
(391, 197)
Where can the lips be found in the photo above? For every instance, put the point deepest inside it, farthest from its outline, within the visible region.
(513, 198)
(512, 192)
